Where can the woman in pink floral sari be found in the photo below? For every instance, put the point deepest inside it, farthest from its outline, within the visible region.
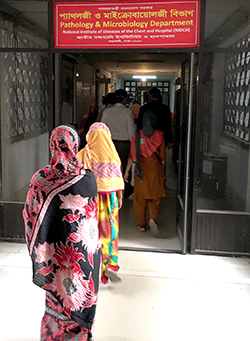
(61, 230)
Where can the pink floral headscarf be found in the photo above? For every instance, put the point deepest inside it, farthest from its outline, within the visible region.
(60, 217)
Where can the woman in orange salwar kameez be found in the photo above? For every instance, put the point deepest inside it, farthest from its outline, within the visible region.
(148, 151)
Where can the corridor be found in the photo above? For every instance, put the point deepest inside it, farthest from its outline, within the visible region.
(162, 296)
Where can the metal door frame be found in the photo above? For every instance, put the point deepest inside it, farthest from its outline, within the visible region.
(185, 204)
(54, 85)
(184, 155)
(187, 175)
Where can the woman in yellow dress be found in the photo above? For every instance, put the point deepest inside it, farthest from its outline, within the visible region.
(101, 157)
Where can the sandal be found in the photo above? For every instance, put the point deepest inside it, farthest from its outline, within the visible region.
(112, 275)
(141, 228)
(154, 228)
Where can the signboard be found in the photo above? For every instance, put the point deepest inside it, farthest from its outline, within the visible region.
(126, 24)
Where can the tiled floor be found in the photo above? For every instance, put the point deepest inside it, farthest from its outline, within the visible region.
(161, 297)
(168, 239)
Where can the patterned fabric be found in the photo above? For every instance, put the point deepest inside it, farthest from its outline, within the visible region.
(101, 157)
(61, 229)
(109, 230)
(64, 167)
(55, 326)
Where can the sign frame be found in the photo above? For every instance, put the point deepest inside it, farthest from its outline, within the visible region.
(126, 24)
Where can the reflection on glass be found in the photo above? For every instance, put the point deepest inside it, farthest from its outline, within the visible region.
(26, 95)
(247, 98)
(238, 79)
(225, 157)
(248, 58)
(243, 58)
(242, 96)
(27, 113)
(247, 77)
(247, 119)
(238, 60)
(242, 81)
(241, 118)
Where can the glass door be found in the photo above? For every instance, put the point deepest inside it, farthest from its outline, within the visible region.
(182, 147)
(25, 108)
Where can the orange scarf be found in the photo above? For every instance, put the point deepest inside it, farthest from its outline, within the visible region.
(148, 145)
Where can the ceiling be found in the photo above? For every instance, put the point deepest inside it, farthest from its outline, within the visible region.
(127, 63)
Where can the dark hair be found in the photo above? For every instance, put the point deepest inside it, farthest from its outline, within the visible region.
(154, 91)
(104, 99)
(120, 95)
(111, 98)
(74, 125)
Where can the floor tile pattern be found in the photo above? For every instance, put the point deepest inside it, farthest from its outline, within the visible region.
(162, 296)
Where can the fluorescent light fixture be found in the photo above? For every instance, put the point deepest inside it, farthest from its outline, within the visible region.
(144, 76)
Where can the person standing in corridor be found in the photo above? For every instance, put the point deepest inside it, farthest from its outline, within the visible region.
(163, 115)
(110, 101)
(120, 121)
(101, 157)
(148, 152)
(135, 110)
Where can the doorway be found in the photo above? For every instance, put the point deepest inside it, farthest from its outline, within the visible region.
(97, 74)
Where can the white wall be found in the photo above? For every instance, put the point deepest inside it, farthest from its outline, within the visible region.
(118, 82)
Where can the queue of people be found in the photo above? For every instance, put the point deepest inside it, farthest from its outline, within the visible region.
(120, 121)
(71, 213)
